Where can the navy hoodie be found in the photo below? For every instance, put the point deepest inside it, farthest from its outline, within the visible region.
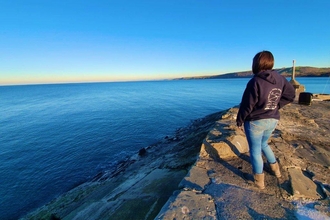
(264, 95)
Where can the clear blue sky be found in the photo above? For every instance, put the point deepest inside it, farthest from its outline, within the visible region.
(70, 41)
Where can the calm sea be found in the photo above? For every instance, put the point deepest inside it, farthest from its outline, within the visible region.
(55, 137)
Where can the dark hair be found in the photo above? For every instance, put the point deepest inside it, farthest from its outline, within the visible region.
(263, 60)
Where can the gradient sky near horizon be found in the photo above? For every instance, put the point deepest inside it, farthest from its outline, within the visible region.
(49, 41)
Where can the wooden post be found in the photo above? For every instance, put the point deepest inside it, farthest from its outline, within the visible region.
(293, 70)
(299, 88)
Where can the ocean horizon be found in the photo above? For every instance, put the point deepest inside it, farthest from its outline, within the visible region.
(57, 136)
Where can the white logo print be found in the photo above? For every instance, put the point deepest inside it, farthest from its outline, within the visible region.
(273, 98)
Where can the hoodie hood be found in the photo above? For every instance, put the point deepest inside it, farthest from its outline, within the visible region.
(267, 75)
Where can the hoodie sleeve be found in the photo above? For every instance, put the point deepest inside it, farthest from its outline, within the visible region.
(288, 94)
(249, 100)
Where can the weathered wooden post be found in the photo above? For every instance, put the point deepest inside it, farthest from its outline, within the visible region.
(298, 87)
(293, 69)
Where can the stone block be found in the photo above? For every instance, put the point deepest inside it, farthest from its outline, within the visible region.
(302, 186)
(196, 179)
(227, 148)
(189, 205)
(239, 143)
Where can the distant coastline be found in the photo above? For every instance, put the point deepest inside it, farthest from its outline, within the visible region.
(301, 71)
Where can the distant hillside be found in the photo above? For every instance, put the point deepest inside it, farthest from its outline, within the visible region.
(306, 71)
(302, 71)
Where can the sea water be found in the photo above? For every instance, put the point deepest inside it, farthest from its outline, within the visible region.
(55, 137)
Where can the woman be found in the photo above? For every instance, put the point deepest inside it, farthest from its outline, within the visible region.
(264, 95)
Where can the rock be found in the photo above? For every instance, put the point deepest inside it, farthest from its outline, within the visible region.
(196, 179)
(188, 205)
(224, 148)
(302, 186)
(142, 151)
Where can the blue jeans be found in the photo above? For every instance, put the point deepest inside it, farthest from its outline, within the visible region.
(257, 134)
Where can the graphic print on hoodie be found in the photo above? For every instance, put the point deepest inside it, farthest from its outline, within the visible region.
(273, 99)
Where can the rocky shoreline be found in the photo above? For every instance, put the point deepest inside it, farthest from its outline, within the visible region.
(206, 165)
(219, 185)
